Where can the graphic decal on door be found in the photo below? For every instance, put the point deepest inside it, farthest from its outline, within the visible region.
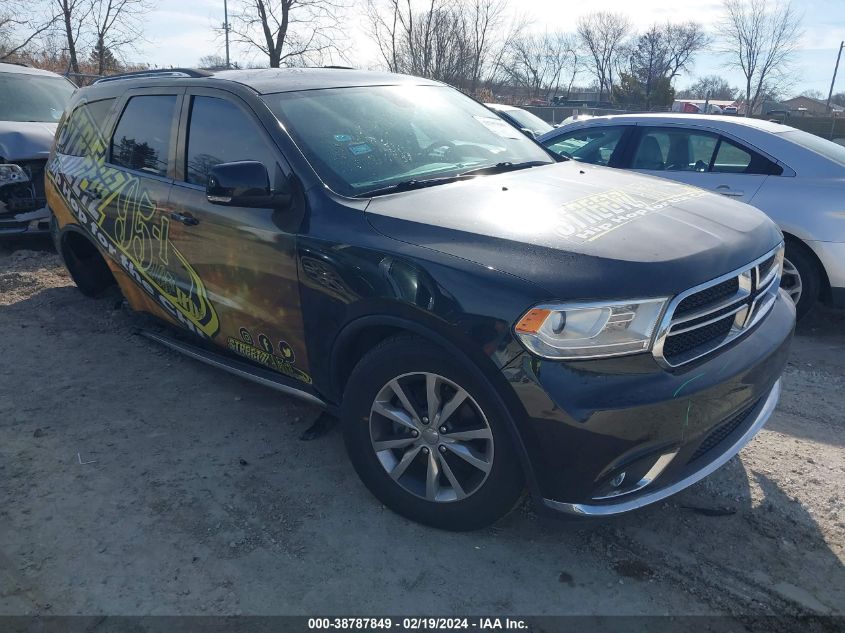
(264, 354)
(133, 234)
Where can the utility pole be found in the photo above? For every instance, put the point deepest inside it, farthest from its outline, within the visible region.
(226, 29)
(835, 70)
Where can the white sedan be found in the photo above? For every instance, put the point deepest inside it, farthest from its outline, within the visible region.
(798, 179)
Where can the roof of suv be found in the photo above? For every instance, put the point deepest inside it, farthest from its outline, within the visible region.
(24, 70)
(270, 80)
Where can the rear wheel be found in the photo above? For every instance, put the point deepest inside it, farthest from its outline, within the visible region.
(801, 277)
(86, 265)
(429, 438)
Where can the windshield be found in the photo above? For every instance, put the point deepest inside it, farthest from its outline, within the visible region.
(25, 97)
(529, 121)
(362, 139)
(828, 149)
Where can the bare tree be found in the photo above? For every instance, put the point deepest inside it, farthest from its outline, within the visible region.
(602, 35)
(116, 25)
(212, 61)
(541, 63)
(20, 27)
(290, 31)
(659, 55)
(760, 38)
(486, 20)
(712, 87)
(458, 41)
(72, 16)
(813, 93)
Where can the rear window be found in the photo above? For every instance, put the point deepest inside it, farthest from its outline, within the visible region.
(529, 121)
(142, 138)
(82, 132)
(828, 149)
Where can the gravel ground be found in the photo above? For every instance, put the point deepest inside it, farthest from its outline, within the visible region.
(135, 481)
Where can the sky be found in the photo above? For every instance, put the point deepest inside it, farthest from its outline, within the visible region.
(179, 33)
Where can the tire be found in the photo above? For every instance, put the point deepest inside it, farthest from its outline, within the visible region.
(458, 493)
(801, 277)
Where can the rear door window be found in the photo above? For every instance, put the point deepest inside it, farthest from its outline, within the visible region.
(143, 137)
(679, 149)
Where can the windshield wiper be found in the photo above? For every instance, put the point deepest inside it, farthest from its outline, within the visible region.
(415, 183)
(500, 168)
(408, 185)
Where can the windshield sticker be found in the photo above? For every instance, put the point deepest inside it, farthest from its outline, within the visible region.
(360, 148)
(135, 236)
(342, 138)
(592, 217)
(497, 126)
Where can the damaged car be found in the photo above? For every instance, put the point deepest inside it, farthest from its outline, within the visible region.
(31, 104)
(484, 319)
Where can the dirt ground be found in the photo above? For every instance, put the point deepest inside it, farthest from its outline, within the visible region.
(137, 481)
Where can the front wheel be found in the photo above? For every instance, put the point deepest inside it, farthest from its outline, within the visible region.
(429, 438)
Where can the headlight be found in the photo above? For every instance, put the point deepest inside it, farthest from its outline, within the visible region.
(590, 330)
(12, 174)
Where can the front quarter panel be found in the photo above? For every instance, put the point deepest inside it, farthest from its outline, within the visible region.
(371, 279)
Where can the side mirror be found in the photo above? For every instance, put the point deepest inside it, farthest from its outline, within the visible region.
(241, 184)
(528, 133)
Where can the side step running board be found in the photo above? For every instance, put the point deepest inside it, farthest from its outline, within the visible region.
(244, 370)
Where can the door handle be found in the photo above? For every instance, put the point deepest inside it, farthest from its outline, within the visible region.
(185, 218)
(725, 190)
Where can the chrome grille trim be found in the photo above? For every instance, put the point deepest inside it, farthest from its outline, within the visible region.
(756, 294)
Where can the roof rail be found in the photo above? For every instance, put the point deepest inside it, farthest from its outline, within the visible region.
(163, 72)
(340, 67)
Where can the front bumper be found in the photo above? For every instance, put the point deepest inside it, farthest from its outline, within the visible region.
(759, 418)
(26, 223)
(609, 436)
(23, 205)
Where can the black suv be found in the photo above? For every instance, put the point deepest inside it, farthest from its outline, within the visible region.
(483, 318)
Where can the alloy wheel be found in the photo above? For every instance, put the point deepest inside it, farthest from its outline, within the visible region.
(431, 437)
(791, 281)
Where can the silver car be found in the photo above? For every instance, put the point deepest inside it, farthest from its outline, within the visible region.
(31, 104)
(798, 179)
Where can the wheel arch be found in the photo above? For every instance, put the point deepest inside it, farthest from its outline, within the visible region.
(825, 294)
(84, 261)
(364, 333)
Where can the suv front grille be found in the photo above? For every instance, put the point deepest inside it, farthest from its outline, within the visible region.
(703, 319)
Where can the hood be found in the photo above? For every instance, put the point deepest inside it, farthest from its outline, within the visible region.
(26, 140)
(580, 231)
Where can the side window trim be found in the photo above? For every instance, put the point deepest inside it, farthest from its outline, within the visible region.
(623, 151)
(184, 120)
(117, 115)
(715, 155)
